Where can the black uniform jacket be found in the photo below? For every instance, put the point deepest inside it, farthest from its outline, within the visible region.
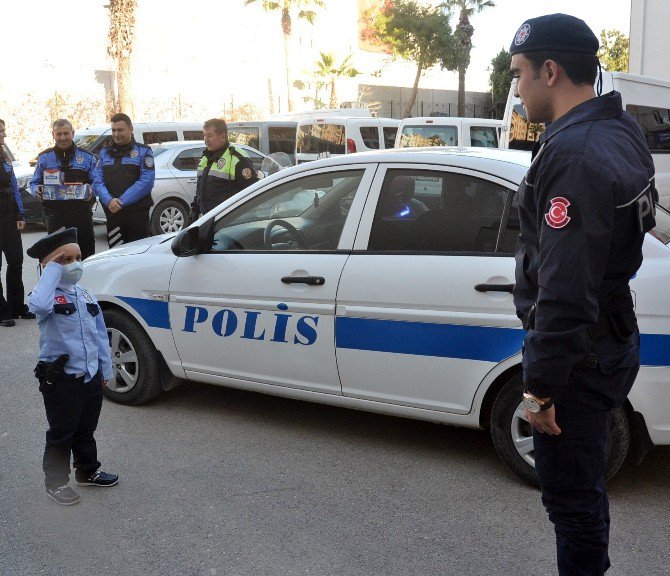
(587, 200)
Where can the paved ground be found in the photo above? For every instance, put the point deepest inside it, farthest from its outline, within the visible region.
(221, 482)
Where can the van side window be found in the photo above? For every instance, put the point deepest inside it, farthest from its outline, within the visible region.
(370, 136)
(428, 136)
(249, 136)
(390, 133)
(193, 135)
(484, 136)
(436, 211)
(158, 137)
(319, 138)
(655, 123)
(282, 139)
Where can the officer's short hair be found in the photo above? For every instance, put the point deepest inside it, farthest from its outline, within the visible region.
(121, 117)
(62, 122)
(579, 68)
(219, 125)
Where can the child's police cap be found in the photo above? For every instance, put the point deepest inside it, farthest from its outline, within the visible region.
(555, 33)
(49, 243)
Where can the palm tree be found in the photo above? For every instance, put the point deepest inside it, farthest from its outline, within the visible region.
(326, 69)
(288, 8)
(120, 40)
(463, 36)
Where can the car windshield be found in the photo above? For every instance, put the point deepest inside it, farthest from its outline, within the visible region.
(662, 229)
(86, 141)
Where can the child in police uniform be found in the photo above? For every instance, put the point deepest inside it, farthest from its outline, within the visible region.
(75, 355)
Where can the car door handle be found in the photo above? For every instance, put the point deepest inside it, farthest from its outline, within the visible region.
(311, 280)
(495, 288)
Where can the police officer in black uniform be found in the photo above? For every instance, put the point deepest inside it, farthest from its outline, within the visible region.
(76, 166)
(585, 206)
(223, 170)
(11, 224)
(124, 178)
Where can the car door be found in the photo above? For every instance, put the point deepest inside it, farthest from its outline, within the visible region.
(259, 305)
(184, 167)
(424, 308)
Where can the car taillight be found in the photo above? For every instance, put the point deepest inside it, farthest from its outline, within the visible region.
(351, 146)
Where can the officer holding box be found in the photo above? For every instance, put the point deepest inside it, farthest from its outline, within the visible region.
(65, 168)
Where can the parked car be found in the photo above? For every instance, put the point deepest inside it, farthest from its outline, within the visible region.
(176, 166)
(322, 283)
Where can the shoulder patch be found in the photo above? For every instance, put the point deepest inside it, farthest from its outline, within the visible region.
(149, 161)
(247, 173)
(557, 215)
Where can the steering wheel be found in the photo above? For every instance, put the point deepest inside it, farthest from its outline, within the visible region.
(297, 239)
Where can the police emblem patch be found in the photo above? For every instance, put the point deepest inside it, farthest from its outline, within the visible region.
(221, 163)
(557, 217)
(80, 159)
(522, 34)
(149, 161)
(60, 299)
(246, 173)
(134, 154)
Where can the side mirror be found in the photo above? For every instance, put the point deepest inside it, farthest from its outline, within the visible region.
(186, 243)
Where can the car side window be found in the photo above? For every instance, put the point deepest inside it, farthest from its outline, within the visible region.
(510, 236)
(437, 211)
(188, 160)
(304, 214)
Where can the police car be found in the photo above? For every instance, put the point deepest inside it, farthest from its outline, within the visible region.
(378, 281)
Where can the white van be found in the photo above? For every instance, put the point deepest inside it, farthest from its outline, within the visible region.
(95, 138)
(332, 136)
(448, 131)
(648, 99)
(266, 136)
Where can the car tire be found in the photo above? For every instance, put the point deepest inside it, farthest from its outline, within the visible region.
(135, 361)
(169, 216)
(513, 441)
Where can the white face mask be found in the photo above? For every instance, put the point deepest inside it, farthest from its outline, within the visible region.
(72, 273)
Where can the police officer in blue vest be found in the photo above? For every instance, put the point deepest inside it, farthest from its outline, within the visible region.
(585, 206)
(11, 224)
(75, 365)
(73, 166)
(124, 178)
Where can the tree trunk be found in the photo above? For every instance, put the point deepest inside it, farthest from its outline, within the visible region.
(415, 90)
(124, 98)
(333, 96)
(461, 92)
(289, 76)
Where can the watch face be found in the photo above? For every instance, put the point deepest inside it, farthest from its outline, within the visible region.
(531, 405)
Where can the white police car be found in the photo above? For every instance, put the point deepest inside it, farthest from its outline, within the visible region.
(378, 281)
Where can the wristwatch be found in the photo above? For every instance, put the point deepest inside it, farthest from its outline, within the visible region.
(534, 404)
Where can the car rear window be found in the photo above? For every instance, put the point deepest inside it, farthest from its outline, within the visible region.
(413, 136)
(249, 136)
(320, 138)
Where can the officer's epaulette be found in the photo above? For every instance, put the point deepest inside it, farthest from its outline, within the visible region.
(236, 153)
(142, 145)
(46, 150)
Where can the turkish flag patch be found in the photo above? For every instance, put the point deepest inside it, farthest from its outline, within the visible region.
(557, 216)
(60, 299)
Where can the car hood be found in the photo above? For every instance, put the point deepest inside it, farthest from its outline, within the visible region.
(137, 247)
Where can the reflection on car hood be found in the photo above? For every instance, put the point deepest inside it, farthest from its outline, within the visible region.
(137, 247)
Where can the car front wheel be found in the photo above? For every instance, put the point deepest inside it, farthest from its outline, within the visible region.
(512, 434)
(135, 361)
(169, 216)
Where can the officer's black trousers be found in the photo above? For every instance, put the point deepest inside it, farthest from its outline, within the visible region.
(75, 214)
(12, 248)
(124, 227)
(72, 407)
(571, 466)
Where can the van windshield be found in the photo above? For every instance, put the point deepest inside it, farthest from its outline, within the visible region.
(320, 138)
(413, 136)
(249, 136)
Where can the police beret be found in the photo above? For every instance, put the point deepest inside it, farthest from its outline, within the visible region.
(554, 32)
(49, 243)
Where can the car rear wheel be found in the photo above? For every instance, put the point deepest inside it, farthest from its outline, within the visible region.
(512, 434)
(169, 216)
(134, 359)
